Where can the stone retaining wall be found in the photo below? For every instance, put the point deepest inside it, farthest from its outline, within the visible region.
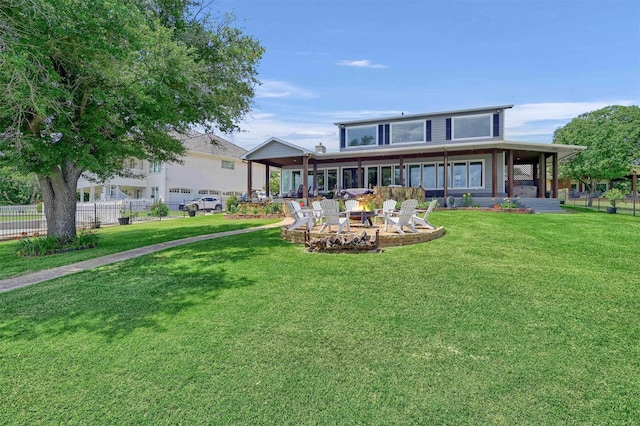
(386, 240)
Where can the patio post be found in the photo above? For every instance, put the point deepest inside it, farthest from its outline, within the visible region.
(267, 179)
(494, 173)
(554, 181)
(542, 174)
(446, 174)
(510, 173)
(359, 173)
(249, 178)
(401, 182)
(305, 178)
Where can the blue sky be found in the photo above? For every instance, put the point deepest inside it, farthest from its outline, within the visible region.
(328, 61)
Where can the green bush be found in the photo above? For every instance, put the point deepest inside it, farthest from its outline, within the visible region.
(272, 208)
(36, 245)
(232, 202)
(159, 210)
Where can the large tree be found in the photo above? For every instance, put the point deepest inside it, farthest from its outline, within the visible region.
(85, 85)
(612, 135)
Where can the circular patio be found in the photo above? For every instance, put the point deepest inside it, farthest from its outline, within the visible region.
(390, 238)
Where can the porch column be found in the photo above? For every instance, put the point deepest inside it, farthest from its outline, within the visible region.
(401, 183)
(554, 182)
(510, 173)
(446, 174)
(494, 173)
(315, 178)
(267, 179)
(305, 179)
(249, 178)
(542, 175)
(359, 173)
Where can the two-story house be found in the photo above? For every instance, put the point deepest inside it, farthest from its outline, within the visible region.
(446, 153)
(211, 166)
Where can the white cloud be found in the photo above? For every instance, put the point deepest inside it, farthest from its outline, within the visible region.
(537, 121)
(281, 89)
(363, 63)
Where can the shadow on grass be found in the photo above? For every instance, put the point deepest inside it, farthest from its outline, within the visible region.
(148, 292)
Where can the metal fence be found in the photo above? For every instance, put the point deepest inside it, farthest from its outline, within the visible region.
(16, 221)
(630, 206)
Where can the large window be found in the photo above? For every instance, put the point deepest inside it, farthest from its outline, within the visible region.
(372, 177)
(460, 175)
(414, 175)
(332, 179)
(412, 131)
(386, 175)
(361, 136)
(475, 174)
(472, 126)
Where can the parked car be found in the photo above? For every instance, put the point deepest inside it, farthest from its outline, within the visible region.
(204, 203)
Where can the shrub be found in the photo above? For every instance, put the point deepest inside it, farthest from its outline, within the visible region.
(232, 202)
(36, 245)
(159, 210)
(272, 208)
(614, 195)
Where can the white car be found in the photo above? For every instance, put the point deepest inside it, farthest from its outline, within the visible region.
(204, 203)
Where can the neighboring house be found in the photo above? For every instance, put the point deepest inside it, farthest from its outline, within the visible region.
(412, 150)
(212, 166)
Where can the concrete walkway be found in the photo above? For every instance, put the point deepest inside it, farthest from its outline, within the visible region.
(49, 274)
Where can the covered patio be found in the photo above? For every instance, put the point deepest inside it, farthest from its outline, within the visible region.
(507, 167)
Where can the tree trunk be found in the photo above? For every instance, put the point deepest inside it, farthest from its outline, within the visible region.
(59, 195)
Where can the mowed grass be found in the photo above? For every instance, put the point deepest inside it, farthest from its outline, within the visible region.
(117, 238)
(508, 319)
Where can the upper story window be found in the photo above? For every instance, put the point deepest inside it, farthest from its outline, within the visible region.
(411, 131)
(361, 136)
(228, 165)
(155, 167)
(472, 126)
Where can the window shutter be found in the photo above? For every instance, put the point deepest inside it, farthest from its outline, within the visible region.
(380, 134)
(343, 137)
(496, 125)
(448, 129)
(387, 134)
(428, 130)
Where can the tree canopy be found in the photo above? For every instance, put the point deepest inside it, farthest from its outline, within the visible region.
(612, 135)
(86, 85)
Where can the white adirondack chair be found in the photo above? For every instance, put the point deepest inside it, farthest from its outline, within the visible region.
(423, 221)
(403, 218)
(351, 205)
(316, 214)
(332, 216)
(387, 207)
(300, 218)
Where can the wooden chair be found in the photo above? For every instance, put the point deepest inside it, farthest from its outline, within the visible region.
(403, 218)
(299, 217)
(387, 207)
(423, 221)
(332, 216)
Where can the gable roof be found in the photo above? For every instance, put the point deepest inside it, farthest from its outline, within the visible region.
(277, 152)
(210, 144)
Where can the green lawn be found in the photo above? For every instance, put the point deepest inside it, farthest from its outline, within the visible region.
(508, 319)
(119, 238)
